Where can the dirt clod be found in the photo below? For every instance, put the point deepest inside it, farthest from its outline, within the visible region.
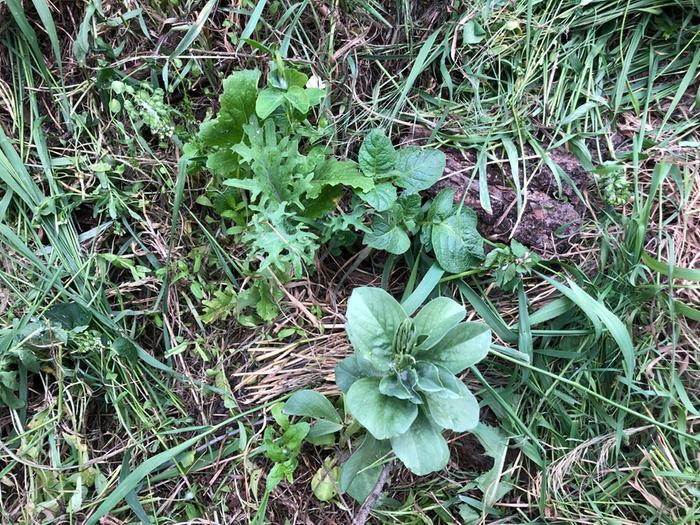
(551, 214)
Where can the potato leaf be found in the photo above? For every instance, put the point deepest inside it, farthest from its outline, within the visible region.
(382, 197)
(456, 242)
(418, 169)
(377, 155)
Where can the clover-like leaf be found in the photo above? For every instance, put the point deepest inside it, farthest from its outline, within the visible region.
(464, 345)
(373, 317)
(422, 448)
(383, 416)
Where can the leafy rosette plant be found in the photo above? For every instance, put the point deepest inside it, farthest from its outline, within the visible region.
(401, 384)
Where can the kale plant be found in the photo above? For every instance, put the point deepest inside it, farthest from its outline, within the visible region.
(273, 183)
(401, 382)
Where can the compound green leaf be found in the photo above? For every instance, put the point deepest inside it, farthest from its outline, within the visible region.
(333, 172)
(381, 197)
(391, 238)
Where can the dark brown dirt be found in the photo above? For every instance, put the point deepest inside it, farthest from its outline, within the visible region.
(551, 219)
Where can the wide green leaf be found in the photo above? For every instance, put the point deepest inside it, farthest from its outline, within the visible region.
(360, 472)
(436, 318)
(464, 345)
(268, 101)
(422, 448)
(456, 413)
(391, 238)
(400, 385)
(237, 106)
(333, 172)
(418, 169)
(347, 372)
(456, 242)
(373, 317)
(381, 197)
(434, 379)
(307, 403)
(298, 98)
(383, 416)
(377, 155)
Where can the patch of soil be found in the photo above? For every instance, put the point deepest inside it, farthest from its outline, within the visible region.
(552, 214)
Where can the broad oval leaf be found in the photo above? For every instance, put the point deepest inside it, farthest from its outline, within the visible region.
(466, 344)
(400, 385)
(381, 197)
(433, 379)
(436, 318)
(377, 155)
(68, 315)
(456, 242)
(237, 106)
(269, 99)
(391, 238)
(360, 472)
(347, 372)
(383, 416)
(418, 168)
(307, 403)
(422, 448)
(298, 98)
(456, 413)
(373, 317)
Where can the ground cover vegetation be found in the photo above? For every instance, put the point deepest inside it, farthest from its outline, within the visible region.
(354, 261)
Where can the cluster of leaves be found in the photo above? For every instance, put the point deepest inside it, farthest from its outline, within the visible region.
(510, 263)
(272, 181)
(278, 189)
(281, 446)
(145, 107)
(447, 230)
(612, 183)
(400, 383)
(29, 346)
